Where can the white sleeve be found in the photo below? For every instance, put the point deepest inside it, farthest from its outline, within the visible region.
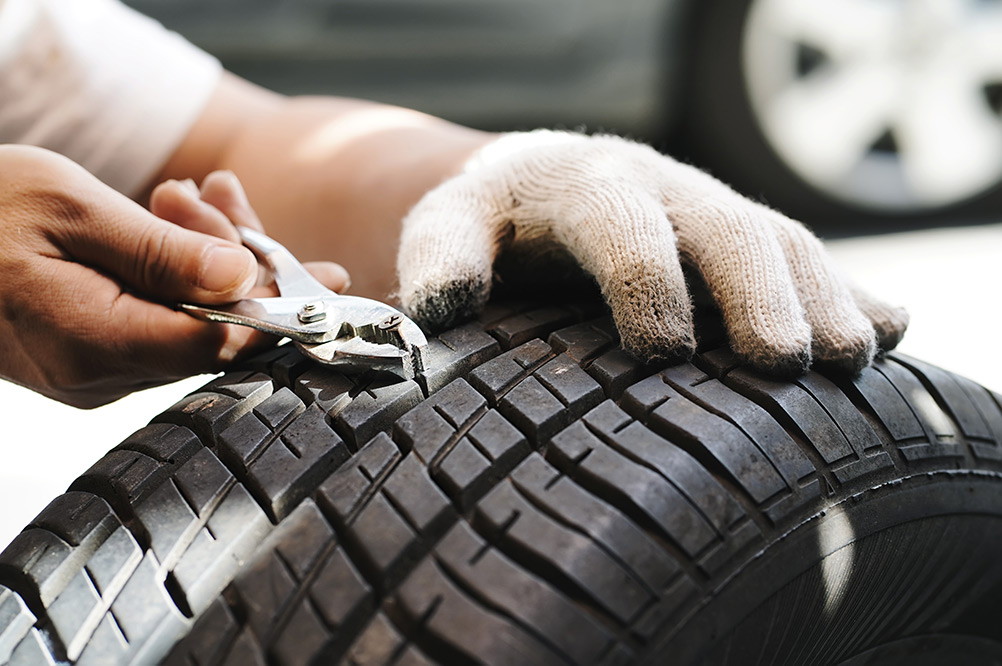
(94, 80)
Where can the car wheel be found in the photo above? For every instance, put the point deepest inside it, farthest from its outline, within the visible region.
(887, 108)
(538, 498)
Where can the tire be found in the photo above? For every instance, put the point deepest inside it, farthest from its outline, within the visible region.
(540, 498)
(750, 55)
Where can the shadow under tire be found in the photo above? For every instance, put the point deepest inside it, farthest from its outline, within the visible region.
(538, 498)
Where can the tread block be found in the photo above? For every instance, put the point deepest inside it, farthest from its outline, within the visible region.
(570, 384)
(424, 431)
(673, 416)
(202, 481)
(536, 323)
(243, 441)
(209, 413)
(301, 638)
(255, 386)
(559, 496)
(457, 402)
(798, 410)
(340, 594)
(375, 409)
(494, 378)
(115, 560)
(673, 464)
(49, 562)
(279, 408)
(173, 517)
(457, 629)
(76, 613)
(416, 497)
(615, 371)
(376, 645)
(454, 353)
(383, 541)
(893, 412)
(127, 476)
(329, 391)
(680, 420)
(209, 638)
(851, 422)
(347, 490)
(44, 559)
(245, 652)
(233, 531)
(429, 427)
(144, 614)
(31, 651)
(488, 452)
(472, 564)
(936, 423)
(76, 516)
(534, 410)
(637, 490)
(972, 406)
(164, 442)
(585, 340)
(754, 421)
(15, 622)
(300, 541)
(497, 438)
(285, 363)
(556, 552)
(296, 461)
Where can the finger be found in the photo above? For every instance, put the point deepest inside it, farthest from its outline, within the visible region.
(101, 342)
(842, 334)
(180, 202)
(447, 248)
(331, 275)
(157, 258)
(223, 190)
(889, 322)
(746, 271)
(621, 237)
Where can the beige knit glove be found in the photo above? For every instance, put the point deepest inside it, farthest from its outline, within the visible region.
(630, 216)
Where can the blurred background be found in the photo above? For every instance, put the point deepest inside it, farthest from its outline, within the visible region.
(876, 122)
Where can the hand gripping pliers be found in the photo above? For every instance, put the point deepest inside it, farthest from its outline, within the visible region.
(350, 333)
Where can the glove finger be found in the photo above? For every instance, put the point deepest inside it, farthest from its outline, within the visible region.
(746, 271)
(889, 322)
(447, 250)
(842, 334)
(620, 236)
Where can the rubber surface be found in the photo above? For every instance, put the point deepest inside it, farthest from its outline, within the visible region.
(538, 498)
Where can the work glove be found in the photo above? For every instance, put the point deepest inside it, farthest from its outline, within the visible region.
(631, 217)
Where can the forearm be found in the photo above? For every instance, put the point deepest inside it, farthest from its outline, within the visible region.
(331, 178)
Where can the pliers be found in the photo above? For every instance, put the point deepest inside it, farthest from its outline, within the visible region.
(350, 333)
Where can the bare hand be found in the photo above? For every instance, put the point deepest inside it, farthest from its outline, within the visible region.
(88, 279)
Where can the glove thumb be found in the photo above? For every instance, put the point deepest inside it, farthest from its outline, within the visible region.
(447, 249)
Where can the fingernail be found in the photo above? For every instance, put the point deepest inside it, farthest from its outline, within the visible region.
(226, 268)
(341, 273)
(191, 188)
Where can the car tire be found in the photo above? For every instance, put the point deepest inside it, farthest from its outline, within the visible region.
(734, 57)
(538, 498)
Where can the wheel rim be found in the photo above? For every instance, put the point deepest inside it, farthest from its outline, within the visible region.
(887, 104)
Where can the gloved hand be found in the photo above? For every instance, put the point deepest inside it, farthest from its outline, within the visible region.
(630, 217)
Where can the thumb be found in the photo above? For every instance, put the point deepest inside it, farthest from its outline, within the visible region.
(447, 250)
(160, 259)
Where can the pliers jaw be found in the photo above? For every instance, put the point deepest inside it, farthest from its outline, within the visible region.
(349, 333)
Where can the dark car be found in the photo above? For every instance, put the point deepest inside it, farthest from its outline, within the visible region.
(825, 107)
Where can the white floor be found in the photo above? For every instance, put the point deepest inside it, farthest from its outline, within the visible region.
(948, 279)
